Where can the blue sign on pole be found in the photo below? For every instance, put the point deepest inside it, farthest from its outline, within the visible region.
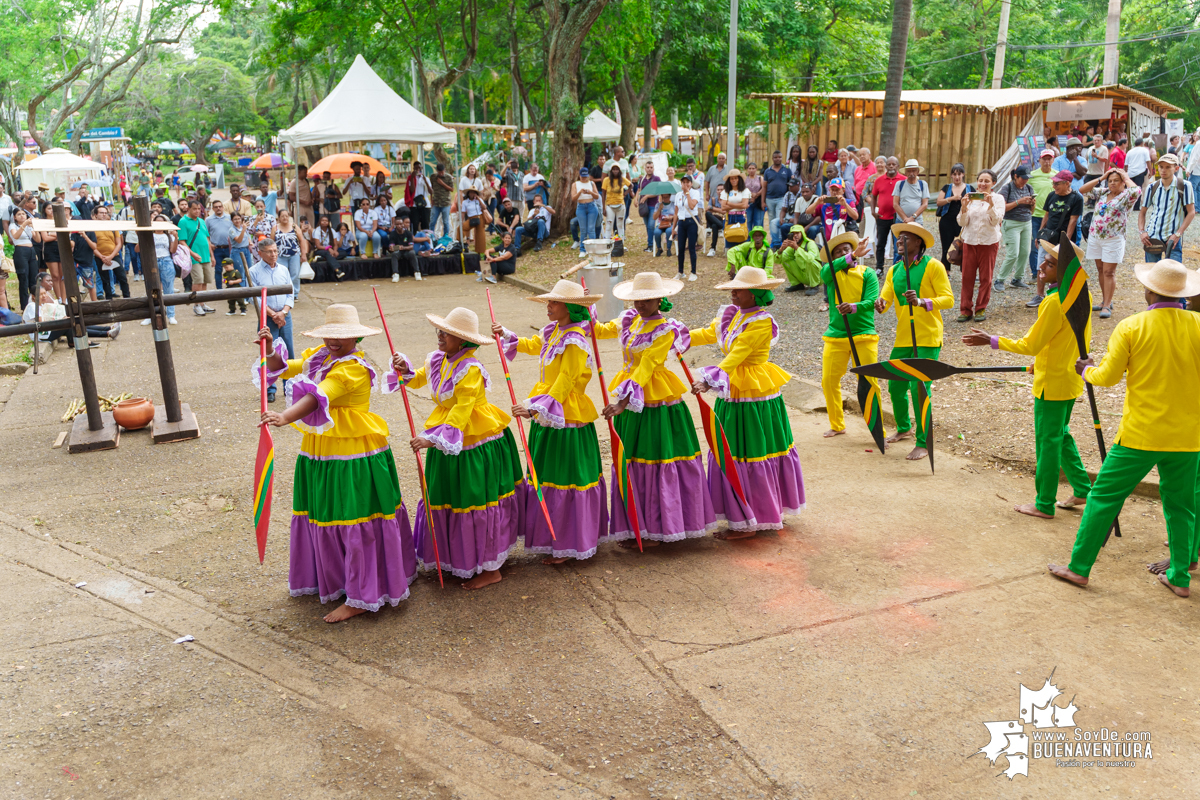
(97, 134)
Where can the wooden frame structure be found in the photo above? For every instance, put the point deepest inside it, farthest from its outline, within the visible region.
(938, 127)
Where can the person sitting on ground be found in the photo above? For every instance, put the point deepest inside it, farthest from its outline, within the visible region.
(801, 262)
(502, 260)
(538, 224)
(751, 253)
(508, 218)
(233, 280)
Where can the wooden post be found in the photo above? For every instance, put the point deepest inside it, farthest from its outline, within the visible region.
(97, 431)
(173, 421)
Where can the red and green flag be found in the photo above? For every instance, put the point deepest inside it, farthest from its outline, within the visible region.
(264, 462)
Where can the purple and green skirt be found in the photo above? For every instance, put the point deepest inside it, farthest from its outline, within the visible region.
(350, 532)
(568, 467)
(760, 438)
(477, 498)
(667, 473)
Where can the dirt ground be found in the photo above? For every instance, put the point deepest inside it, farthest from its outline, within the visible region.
(856, 653)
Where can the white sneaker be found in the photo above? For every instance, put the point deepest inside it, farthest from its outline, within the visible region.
(146, 321)
(692, 277)
(417, 275)
(711, 252)
(396, 278)
(679, 277)
(198, 311)
(173, 321)
(490, 278)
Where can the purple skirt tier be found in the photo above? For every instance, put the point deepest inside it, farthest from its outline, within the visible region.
(470, 542)
(371, 563)
(580, 521)
(672, 501)
(774, 487)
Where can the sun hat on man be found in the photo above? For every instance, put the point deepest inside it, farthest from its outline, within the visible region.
(1168, 278)
(341, 322)
(647, 286)
(849, 237)
(912, 163)
(566, 292)
(909, 227)
(460, 322)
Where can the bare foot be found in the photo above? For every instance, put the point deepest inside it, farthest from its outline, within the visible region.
(1159, 567)
(343, 613)
(917, 454)
(1180, 591)
(899, 436)
(1029, 509)
(829, 434)
(1065, 574)
(486, 578)
(552, 560)
(733, 535)
(1072, 502)
(632, 544)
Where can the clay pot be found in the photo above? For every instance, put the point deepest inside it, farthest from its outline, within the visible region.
(134, 414)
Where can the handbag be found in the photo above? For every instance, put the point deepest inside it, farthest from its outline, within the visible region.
(736, 232)
(184, 262)
(955, 254)
(643, 209)
(1155, 247)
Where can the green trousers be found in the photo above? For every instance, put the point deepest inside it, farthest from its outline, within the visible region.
(1056, 450)
(899, 391)
(1119, 476)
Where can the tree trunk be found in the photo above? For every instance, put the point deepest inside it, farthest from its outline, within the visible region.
(631, 103)
(901, 14)
(569, 24)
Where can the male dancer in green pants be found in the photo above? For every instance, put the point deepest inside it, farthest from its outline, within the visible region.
(925, 299)
(1056, 386)
(1158, 352)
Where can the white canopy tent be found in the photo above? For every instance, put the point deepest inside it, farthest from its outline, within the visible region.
(599, 127)
(58, 167)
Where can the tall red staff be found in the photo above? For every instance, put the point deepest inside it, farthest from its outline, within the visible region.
(537, 487)
(624, 484)
(412, 429)
(264, 463)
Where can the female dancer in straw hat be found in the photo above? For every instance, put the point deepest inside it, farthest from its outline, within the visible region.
(750, 409)
(350, 531)
(562, 439)
(473, 472)
(666, 468)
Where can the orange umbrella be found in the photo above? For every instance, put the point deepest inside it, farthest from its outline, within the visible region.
(339, 165)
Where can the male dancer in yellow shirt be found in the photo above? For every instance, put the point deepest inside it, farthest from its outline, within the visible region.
(1056, 387)
(1158, 352)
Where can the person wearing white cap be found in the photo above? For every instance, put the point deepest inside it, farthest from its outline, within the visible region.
(473, 471)
(350, 533)
(750, 409)
(655, 425)
(1168, 208)
(562, 437)
(1156, 351)
(1041, 180)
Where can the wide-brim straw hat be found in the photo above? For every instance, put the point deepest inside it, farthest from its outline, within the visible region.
(912, 163)
(460, 322)
(751, 278)
(647, 286)
(1168, 278)
(341, 322)
(43, 187)
(842, 238)
(567, 292)
(916, 230)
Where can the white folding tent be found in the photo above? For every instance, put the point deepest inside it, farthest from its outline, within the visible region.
(59, 167)
(599, 127)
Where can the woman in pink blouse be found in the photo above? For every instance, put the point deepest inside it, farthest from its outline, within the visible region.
(980, 218)
(1115, 195)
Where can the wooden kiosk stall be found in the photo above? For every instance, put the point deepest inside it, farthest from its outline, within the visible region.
(940, 127)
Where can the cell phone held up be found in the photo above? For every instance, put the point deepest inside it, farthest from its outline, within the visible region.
(976, 195)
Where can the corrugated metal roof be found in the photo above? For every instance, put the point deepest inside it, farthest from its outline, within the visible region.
(992, 99)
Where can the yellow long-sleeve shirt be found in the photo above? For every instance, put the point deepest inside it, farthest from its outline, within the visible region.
(645, 346)
(559, 397)
(463, 417)
(934, 287)
(1055, 349)
(745, 339)
(1158, 351)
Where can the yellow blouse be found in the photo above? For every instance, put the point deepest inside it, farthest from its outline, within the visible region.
(645, 346)
(342, 424)
(559, 397)
(745, 338)
(463, 417)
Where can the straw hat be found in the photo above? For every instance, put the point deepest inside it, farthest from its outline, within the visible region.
(566, 292)
(461, 322)
(734, 173)
(912, 163)
(917, 230)
(43, 187)
(1053, 249)
(341, 322)
(647, 286)
(751, 278)
(1168, 278)
(849, 237)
